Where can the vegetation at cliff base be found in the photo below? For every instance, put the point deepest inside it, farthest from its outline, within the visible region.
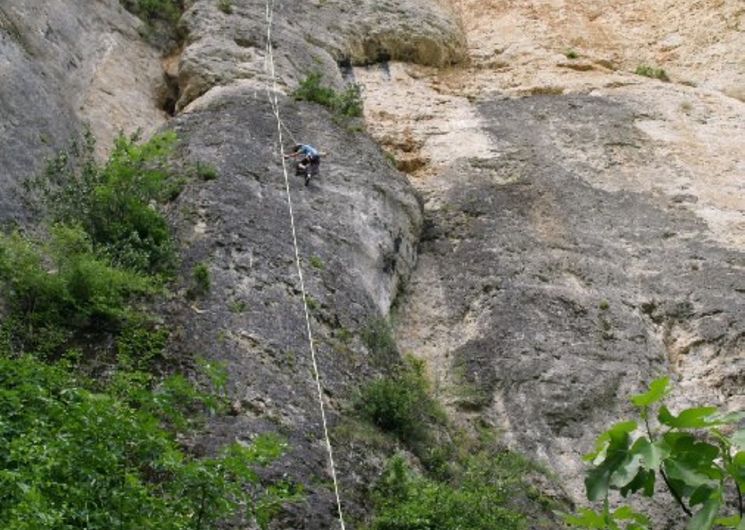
(92, 415)
(449, 479)
(75, 457)
(696, 457)
(400, 403)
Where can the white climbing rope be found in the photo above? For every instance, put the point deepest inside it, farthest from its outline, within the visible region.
(272, 93)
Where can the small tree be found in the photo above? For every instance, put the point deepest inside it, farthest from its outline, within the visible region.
(698, 454)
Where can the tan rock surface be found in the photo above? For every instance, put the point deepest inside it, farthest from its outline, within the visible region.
(657, 148)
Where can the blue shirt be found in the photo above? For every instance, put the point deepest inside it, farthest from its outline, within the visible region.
(308, 150)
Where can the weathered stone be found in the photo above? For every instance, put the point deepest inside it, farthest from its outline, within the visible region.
(359, 221)
(64, 64)
(229, 48)
(554, 300)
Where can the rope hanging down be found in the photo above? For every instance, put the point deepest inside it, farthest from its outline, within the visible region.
(272, 93)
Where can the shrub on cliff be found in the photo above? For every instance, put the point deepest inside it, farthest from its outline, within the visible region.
(150, 10)
(113, 202)
(400, 403)
(347, 103)
(485, 490)
(71, 457)
(88, 437)
(654, 73)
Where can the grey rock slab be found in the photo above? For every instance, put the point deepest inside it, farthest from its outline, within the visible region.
(561, 299)
(359, 220)
(223, 48)
(63, 63)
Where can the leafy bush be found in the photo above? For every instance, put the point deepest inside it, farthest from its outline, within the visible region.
(112, 202)
(138, 346)
(72, 458)
(101, 452)
(201, 282)
(697, 455)
(477, 499)
(654, 73)
(226, 6)
(378, 338)
(347, 103)
(400, 403)
(59, 288)
(151, 10)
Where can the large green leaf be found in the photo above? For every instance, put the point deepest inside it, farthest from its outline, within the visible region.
(736, 468)
(626, 513)
(702, 494)
(616, 452)
(611, 437)
(586, 519)
(644, 479)
(596, 483)
(690, 476)
(704, 518)
(695, 418)
(625, 471)
(652, 453)
(657, 390)
(731, 521)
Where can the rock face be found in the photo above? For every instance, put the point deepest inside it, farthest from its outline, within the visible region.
(65, 64)
(229, 48)
(584, 226)
(582, 230)
(549, 300)
(357, 228)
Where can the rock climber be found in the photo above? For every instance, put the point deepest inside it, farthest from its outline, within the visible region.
(308, 160)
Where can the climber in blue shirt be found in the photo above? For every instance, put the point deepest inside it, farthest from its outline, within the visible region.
(308, 160)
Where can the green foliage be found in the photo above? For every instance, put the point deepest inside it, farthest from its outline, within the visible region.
(476, 498)
(378, 338)
(112, 202)
(226, 6)
(401, 403)
(151, 10)
(201, 282)
(237, 306)
(654, 73)
(206, 172)
(691, 453)
(571, 54)
(347, 103)
(60, 288)
(138, 347)
(101, 451)
(73, 458)
(316, 262)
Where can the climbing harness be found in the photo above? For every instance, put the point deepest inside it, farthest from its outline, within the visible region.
(274, 101)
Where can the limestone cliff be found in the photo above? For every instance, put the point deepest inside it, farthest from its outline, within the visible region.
(568, 229)
(584, 225)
